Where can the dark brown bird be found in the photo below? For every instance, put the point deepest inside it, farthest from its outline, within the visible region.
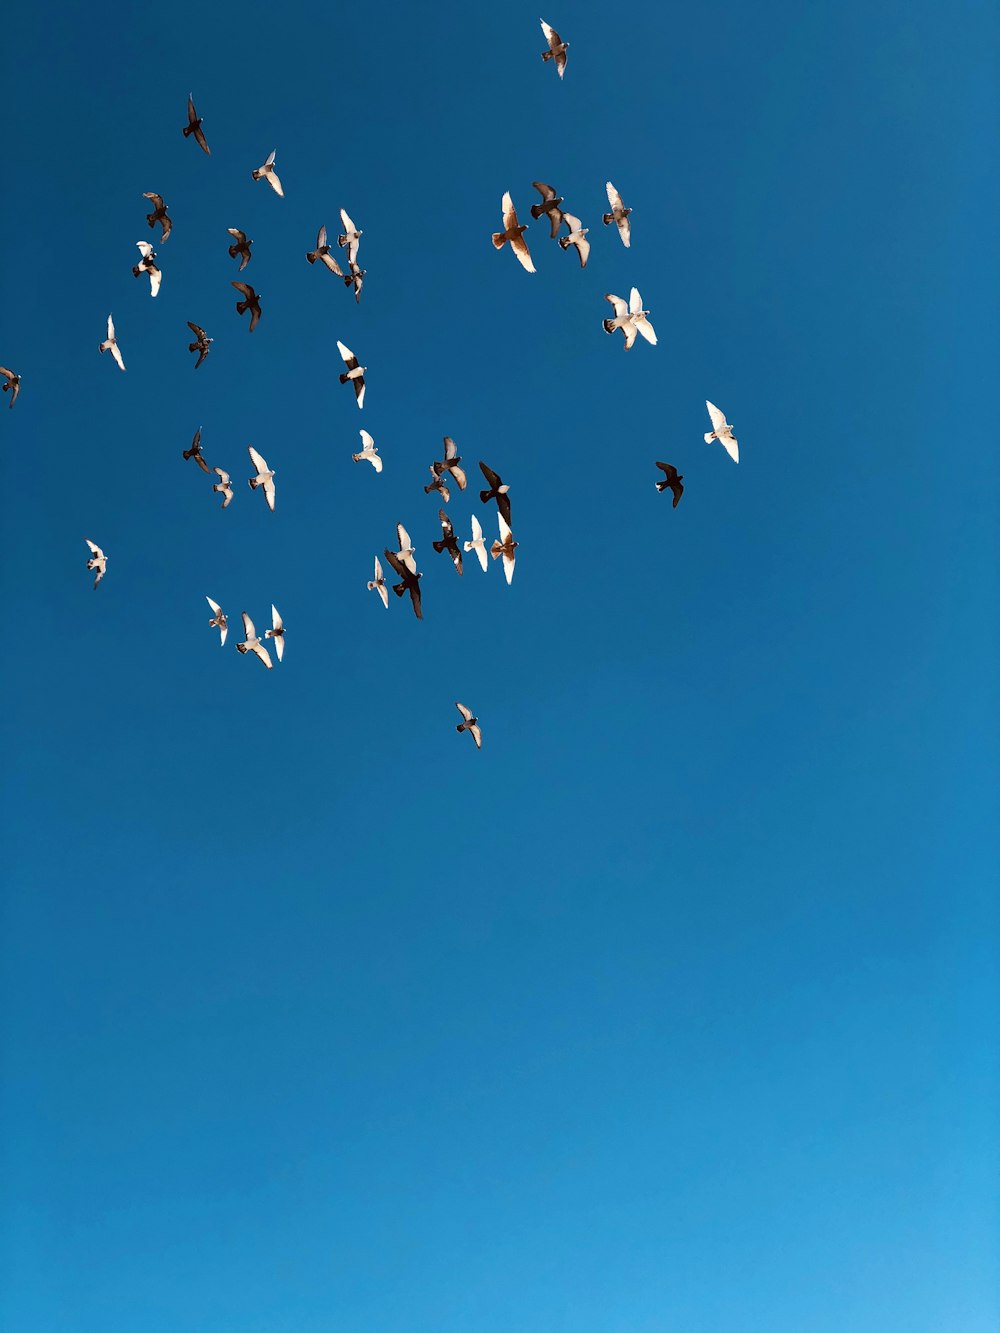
(241, 248)
(498, 491)
(159, 214)
(448, 541)
(410, 582)
(357, 277)
(322, 252)
(557, 47)
(201, 343)
(439, 483)
(194, 127)
(251, 303)
(11, 382)
(195, 452)
(550, 204)
(673, 479)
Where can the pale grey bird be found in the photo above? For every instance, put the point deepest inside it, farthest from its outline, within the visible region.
(269, 174)
(477, 544)
(98, 562)
(12, 382)
(219, 621)
(322, 253)
(369, 452)
(722, 431)
(222, 487)
(406, 550)
(252, 644)
(263, 478)
(619, 215)
(350, 237)
(377, 584)
(110, 345)
(557, 47)
(470, 724)
(277, 632)
(577, 236)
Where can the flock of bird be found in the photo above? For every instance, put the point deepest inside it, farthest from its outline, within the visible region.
(630, 318)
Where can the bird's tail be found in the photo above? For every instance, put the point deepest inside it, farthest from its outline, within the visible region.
(546, 55)
(498, 239)
(607, 218)
(438, 546)
(255, 175)
(188, 131)
(460, 727)
(399, 589)
(486, 496)
(233, 251)
(150, 219)
(254, 483)
(136, 270)
(710, 436)
(242, 307)
(662, 485)
(344, 379)
(537, 210)
(312, 256)
(564, 242)
(188, 453)
(609, 325)
(241, 648)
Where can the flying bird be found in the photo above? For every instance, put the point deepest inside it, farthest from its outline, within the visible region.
(619, 215)
(550, 205)
(147, 265)
(377, 584)
(322, 252)
(269, 174)
(577, 236)
(264, 477)
(110, 345)
(673, 479)
(252, 644)
(446, 469)
(722, 431)
(195, 452)
(448, 542)
(438, 483)
(251, 303)
(409, 582)
(355, 372)
(240, 247)
(219, 621)
(505, 547)
(477, 544)
(357, 277)
(514, 233)
(406, 550)
(349, 238)
(369, 452)
(11, 382)
(277, 633)
(222, 487)
(99, 562)
(498, 491)
(631, 319)
(557, 47)
(471, 724)
(159, 214)
(201, 344)
(194, 127)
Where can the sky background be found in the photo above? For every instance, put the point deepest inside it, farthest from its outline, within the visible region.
(675, 1007)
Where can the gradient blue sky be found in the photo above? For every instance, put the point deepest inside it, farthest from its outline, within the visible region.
(673, 1009)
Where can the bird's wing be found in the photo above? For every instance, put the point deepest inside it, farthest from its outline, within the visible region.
(467, 713)
(350, 360)
(629, 330)
(197, 330)
(507, 210)
(255, 458)
(416, 599)
(551, 36)
(669, 469)
(328, 260)
(396, 563)
(260, 651)
(520, 247)
(561, 63)
(214, 605)
(279, 645)
(242, 287)
(614, 198)
(505, 531)
(155, 277)
(359, 391)
(237, 235)
(116, 353)
(490, 475)
(621, 309)
(275, 618)
(269, 494)
(582, 249)
(111, 329)
(145, 249)
(248, 629)
(508, 565)
(646, 329)
(546, 191)
(625, 232)
(270, 160)
(366, 439)
(477, 736)
(635, 302)
(96, 550)
(383, 592)
(272, 179)
(223, 476)
(192, 114)
(730, 445)
(573, 223)
(321, 237)
(223, 631)
(446, 525)
(348, 224)
(156, 198)
(403, 537)
(199, 138)
(450, 448)
(718, 418)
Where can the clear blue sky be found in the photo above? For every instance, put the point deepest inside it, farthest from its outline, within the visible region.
(675, 1007)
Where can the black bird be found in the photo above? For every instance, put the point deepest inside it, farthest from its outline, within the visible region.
(201, 343)
(450, 463)
(550, 204)
(673, 479)
(251, 303)
(448, 542)
(498, 491)
(241, 248)
(194, 127)
(159, 214)
(195, 452)
(11, 382)
(410, 582)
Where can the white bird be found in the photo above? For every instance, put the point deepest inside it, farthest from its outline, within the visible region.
(557, 47)
(322, 253)
(147, 265)
(355, 372)
(406, 548)
(639, 317)
(477, 544)
(619, 215)
(514, 233)
(264, 477)
(350, 238)
(471, 724)
(369, 453)
(99, 563)
(253, 644)
(378, 584)
(505, 547)
(219, 621)
(577, 236)
(722, 431)
(622, 319)
(277, 633)
(223, 488)
(110, 345)
(270, 175)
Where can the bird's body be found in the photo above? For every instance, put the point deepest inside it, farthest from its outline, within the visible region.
(159, 213)
(722, 431)
(618, 215)
(550, 205)
(12, 382)
(110, 344)
(449, 541)
(268, 173)
(469, 724)
(498, 491)
(514, 233)
(222, 487)
(557, 47)
(350, 238)
(577, 236)
(241, 246)
(264, 477)
(369, 453)
(195, 452)
(251, 302)
(194, 127)
(98, 561)
(147, 265)
(506, 546)
(322, 253)
(477, 544)
(673, 479)
(409, 581)
(377, 584)
(355, 372)
(201, 344)
(276, 632)
(219, 620)
(252, 644)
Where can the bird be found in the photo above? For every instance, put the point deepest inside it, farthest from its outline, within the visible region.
(251, 303)
(577, 236)
(639, 317)
(357, 277)
(550, 204)
(241, 246)
(12, 382)
(477, 544)
(322, 252)
(264, 477)
(222, 487)
(201, 344)
(194, 127)
(505, 547)
(195, 452)
(448, 541)
(471, 724)
(514, 233)
(159, 213)
(269, 174)
(369, 452)
(450, 463)
(350, 237)
(219, 621)
(355, 372)
(673, 479)
(252, 644)
(147, 265)
(99, 562)
(619, 215)
(277, 633)
(377, 584)
(406, 550)
(722, 431)
(110, 345)
(631, 318)
(409, 582)
(557, 47)
(498, 491)
(438, 483)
